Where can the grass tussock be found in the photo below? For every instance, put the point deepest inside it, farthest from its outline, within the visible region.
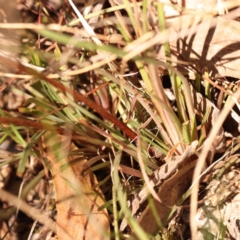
(118, 115)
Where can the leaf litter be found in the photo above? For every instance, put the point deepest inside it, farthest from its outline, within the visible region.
(173, 178)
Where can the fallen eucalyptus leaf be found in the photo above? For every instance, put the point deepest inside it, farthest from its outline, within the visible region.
(176, 177)
(215, 48)
(169, 193)
(77, 198)
(159, 176)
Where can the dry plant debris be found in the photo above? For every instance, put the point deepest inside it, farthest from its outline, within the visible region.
(106, 112)
(81, 210)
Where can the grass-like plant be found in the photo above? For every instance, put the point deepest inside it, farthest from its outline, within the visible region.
(94, 98)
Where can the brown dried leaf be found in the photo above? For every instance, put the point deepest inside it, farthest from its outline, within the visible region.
(78, 199)
(216, 48)
(210, 43)
(169, 193)
(160, 175)
(199, 6)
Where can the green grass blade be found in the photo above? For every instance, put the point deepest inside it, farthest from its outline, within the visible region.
(122, 200)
